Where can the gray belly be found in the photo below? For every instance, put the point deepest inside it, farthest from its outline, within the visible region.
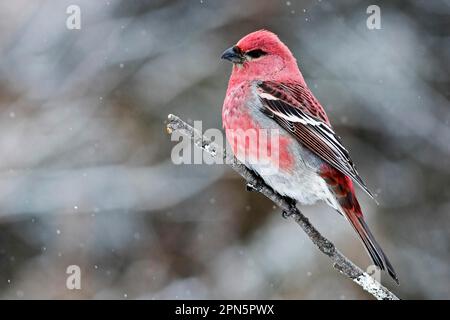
(301, 182)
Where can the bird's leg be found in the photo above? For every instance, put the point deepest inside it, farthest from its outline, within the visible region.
(250, 187)
(291, 203)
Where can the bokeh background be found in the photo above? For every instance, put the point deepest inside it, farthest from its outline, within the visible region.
(86, 176)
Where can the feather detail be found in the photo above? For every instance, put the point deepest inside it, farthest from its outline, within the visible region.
(294, 107)
(342, 188)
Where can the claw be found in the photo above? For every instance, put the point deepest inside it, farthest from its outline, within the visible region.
(292, 203)
(286, 214)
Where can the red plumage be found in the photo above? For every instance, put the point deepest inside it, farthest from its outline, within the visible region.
(266, 91)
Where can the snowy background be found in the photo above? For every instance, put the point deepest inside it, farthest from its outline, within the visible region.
(85, 170)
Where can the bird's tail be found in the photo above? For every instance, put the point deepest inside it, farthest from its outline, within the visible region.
(342, 187)
(373, 248)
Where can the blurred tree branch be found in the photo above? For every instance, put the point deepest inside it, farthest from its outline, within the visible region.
(340, 262)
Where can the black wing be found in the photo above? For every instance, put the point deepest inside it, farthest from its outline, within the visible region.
(289, 111)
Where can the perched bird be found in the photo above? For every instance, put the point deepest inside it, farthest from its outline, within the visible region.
(267, 91)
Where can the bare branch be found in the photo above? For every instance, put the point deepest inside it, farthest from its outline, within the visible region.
(340, 262)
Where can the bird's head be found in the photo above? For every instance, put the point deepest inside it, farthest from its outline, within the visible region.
(260, 55)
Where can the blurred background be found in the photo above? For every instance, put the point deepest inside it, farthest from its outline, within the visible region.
(86, 176)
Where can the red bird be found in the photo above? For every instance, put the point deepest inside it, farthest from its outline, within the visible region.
(266, 91)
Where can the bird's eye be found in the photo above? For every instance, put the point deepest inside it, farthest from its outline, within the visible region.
(255, 53)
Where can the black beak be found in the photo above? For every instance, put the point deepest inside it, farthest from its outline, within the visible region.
(233, 54)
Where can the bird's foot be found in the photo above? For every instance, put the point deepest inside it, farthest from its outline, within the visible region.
(285, 214)
(291, 203)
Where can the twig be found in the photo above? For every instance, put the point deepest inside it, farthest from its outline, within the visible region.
(340, 262)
